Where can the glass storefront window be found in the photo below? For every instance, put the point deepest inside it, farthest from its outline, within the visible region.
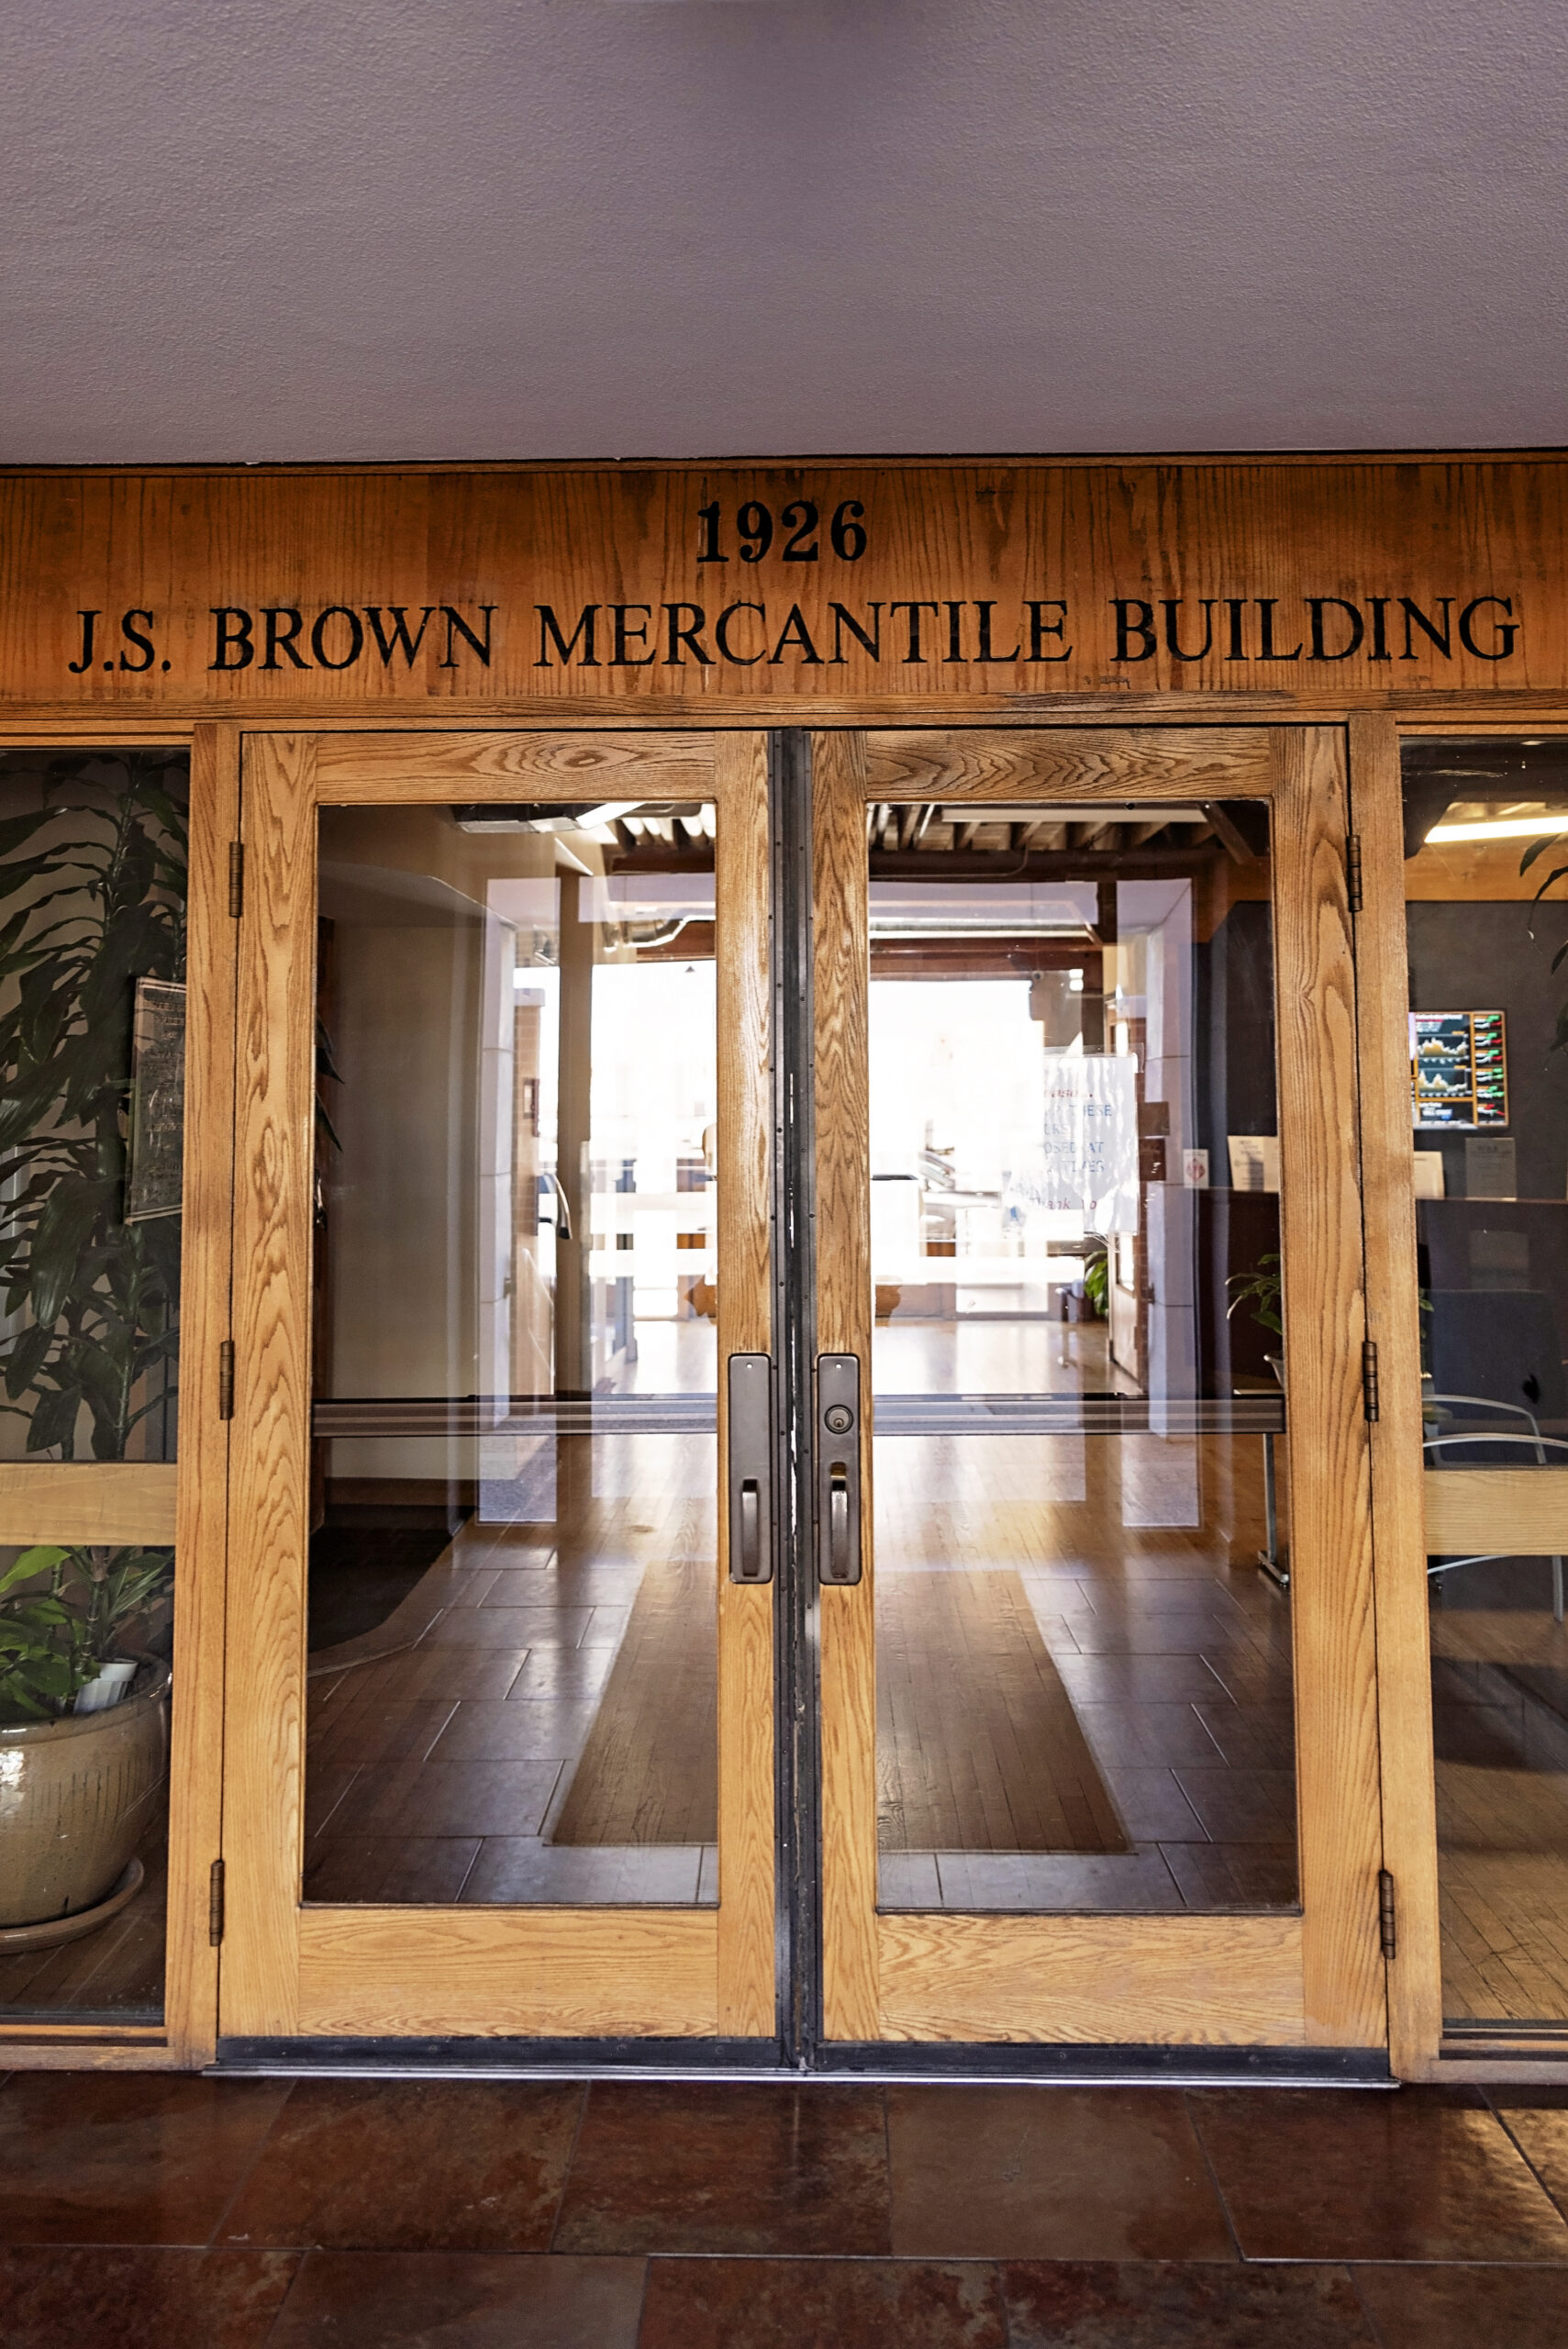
(1489, 1108)
(93, 890)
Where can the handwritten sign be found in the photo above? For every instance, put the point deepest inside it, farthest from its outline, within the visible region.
(1091, 1139)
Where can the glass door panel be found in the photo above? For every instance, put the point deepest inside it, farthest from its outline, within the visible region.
(1098, 1760)
(1085, 1693)
(514, 1665)
(521, 1197)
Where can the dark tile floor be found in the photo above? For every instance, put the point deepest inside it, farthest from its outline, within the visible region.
(223, 2214)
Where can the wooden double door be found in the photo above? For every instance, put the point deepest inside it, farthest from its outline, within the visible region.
(783, 1286)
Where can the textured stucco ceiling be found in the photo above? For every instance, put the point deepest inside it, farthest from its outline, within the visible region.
(555, 229)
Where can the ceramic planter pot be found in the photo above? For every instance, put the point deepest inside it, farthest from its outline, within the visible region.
(75, 1798)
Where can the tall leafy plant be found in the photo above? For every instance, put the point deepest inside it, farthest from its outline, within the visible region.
(93, 893)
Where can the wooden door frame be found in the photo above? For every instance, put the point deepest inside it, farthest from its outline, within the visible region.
(1417, 2045)
(1309, 1979)
(187, 2038)
(291, 1971)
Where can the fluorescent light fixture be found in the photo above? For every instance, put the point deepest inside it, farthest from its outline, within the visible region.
(541, 820)
(1504, 827)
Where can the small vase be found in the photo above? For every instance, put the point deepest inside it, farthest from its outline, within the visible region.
(111, 1683)
(1276, 1364)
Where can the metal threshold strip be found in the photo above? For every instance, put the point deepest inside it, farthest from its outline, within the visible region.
(753, 2060)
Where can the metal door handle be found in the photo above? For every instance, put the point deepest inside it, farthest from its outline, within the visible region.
(749, 1445)
(750, 1531)
(838, 1468)
(837, 1524)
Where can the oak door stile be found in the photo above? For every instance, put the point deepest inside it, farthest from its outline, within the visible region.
(268, 1488)
(746, 1992)
(1325, 1316)
(201, 1477)
(841, 979)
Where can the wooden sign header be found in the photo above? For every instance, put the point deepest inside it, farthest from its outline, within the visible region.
(1349, 583)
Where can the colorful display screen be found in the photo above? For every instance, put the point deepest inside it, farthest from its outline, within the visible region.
(1459, 1070)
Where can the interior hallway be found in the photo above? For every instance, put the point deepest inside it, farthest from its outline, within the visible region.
(550, 2215)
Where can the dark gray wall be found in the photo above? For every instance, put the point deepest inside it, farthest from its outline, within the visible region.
(1234, 1020)
(1482, 957)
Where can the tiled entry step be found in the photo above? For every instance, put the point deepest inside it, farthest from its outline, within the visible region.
(141, 2208)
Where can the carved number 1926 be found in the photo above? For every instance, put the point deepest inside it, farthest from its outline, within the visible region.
(799, 523)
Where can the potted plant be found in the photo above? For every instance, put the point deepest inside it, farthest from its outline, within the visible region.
(82, 1728)
(1262, 1290)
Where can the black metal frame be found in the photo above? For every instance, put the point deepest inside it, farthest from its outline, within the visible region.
(798, 1802)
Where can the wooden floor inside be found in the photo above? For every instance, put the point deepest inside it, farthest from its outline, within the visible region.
(1500, 1706)
(1171, 1648)
(112, 1975)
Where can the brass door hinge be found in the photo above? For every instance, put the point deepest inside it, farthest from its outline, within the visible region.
(214, 1904)
(225, 1379)
(1354, 871)
(1368, 1379)
(236, 879)
(1385, 1931)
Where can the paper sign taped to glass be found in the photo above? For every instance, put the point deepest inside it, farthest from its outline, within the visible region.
(1091, 1139)
(156, 1142)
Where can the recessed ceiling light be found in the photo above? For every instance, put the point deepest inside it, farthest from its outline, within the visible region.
(1504, 827)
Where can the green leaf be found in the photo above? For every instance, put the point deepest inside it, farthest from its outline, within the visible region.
(41, 1560)
(26, 1358)
(22, 828)
(63, 1230)
(54, 1419)
(1539, 848)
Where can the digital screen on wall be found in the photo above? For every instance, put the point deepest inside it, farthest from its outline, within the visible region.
(1459, 1070)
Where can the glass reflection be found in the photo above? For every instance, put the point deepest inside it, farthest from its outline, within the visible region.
(512, 1583)
(1085, 1690)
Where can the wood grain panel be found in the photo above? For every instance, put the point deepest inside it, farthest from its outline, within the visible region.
(841, 979)
(201, 1554)
(747, 1990)
(1325, 1317)
(1405, 1699)
(1091, 762)
(1034, 557)
(1510, 1513)
(494, 1972)
(1139, 1981)
(122, 2051)
(264, 1746)
(95, 1500)
(390, 768)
